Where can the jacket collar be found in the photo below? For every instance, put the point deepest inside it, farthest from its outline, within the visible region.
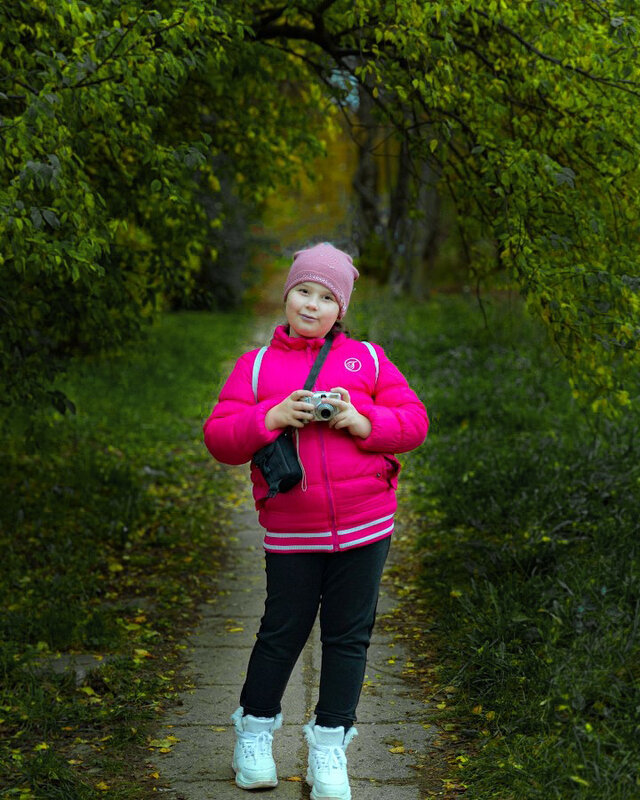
(282, 341)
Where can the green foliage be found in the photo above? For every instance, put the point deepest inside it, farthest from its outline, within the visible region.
(110, 528)
(121, 123)
(526, 112)
(528, 520)
(83, 90)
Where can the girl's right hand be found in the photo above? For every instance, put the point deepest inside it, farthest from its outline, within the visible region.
(291, 411)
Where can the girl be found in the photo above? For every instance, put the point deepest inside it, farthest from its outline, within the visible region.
(326, 540)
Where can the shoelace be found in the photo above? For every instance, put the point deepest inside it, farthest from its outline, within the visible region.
(328, 758)
(258, 746)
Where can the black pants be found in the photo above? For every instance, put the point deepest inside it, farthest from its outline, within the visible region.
(345, 587)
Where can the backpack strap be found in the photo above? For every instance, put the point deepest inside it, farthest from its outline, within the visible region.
(374, 356)
(256, 370)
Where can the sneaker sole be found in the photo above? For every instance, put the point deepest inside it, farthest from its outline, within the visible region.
(243, 783)
(315, 796)
(240, 782)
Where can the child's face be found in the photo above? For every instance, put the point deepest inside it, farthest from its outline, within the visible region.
(311, 310)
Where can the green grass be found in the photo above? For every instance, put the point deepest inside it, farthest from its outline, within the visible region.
(528, 520)
(111, 528)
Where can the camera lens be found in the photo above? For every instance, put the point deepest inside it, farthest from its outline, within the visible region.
(325, 410)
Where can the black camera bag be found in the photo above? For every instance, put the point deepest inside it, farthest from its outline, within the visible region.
(279, 464)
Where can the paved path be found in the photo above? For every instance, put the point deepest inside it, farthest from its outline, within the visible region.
(199, 765)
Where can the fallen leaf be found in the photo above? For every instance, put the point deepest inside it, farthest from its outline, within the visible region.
(164, 744)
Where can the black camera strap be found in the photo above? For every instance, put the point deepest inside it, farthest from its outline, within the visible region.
(317, 364)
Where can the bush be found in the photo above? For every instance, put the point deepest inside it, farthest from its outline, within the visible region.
(529, 548)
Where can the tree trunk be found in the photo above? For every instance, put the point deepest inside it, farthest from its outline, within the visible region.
(413, 225)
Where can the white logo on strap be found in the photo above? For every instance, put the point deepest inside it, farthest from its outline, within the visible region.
(353, 364)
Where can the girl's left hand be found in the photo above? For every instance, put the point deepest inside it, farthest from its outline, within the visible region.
(348, 416)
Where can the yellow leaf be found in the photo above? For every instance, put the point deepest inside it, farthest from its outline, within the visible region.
(294, 778)
(476, 710)
(235, 630)
(395, 750)
(102, 786)
(168, 742)
(41, 746)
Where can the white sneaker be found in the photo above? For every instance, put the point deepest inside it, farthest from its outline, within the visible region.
(252, 758)
(327, 772)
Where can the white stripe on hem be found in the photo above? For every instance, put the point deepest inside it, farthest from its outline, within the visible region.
(327, 534)
(322, 535)
(366, 525)
(301, 547)
(311, 547)
(368, 538)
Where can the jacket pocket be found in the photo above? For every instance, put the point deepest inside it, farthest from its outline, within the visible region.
(388, 470)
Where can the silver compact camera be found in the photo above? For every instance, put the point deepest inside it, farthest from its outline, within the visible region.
(323, 410)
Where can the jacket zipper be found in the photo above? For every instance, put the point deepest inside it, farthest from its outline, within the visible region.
(325, 474)
(327, 485)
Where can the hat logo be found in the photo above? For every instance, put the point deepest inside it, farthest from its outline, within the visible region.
(353, 364)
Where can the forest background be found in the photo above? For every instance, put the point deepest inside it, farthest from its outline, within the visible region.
(460, 150)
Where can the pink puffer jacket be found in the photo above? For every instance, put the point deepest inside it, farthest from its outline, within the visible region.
(349, 498)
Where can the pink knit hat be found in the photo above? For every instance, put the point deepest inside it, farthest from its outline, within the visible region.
(327, 265)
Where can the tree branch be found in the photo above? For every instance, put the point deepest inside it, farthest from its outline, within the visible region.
(318, 37)
(620, 83)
